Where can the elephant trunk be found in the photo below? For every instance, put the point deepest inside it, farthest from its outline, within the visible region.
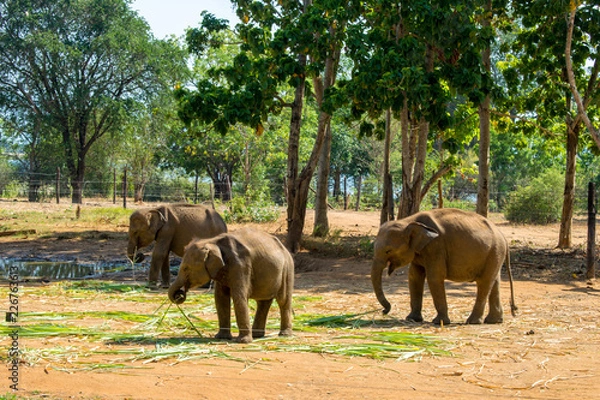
(133, 251)
(177, 293)
(376, 273)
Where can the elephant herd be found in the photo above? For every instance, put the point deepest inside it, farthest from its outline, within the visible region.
(437, 245)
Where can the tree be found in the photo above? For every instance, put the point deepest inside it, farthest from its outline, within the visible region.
(285, 47)
(34, 152)
(350, 156)
(483, 194)
(73, 65)
(591, 14)
(537, 75)
(408, 57)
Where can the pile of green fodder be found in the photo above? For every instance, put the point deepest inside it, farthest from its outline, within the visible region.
(88, 336)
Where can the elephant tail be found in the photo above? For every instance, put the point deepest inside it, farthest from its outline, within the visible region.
(513, 305)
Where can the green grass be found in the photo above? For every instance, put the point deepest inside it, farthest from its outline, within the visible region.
(99, 221)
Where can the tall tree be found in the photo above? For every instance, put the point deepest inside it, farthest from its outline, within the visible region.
(286, 46)
(407, 58)
(538, 75)
(74, 64)
(483, 194)
(591, 13)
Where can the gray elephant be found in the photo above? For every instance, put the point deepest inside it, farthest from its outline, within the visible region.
(246, 264)
(172, 227)
(444, 244)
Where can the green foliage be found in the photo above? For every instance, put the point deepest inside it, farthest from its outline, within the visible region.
(540, 202)
(11, 190)
(70, 68)
(241, 210)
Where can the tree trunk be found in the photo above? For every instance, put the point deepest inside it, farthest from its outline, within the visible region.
(337, 184)
(297, 208)
(419, 174)
(387, 208)
(413, 168)
(138, 192)
(408, 157)
(358, 186)
(564, 238)
(483, 191)
(293, 149)
(77, 180)
(321, 228)
(222, 183)
(33, 190)
(346, 192)
(302, 187)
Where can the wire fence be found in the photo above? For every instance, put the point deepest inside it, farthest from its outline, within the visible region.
(56, 188)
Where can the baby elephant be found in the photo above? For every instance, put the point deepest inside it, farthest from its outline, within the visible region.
(444, 244)
(246, 264)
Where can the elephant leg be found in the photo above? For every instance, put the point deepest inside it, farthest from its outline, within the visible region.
(285, 309)
(483, 292)
(165, 273)
(416, 284)
(495, 314)
(223, 305)
(160, 256)
(438, 293)
(242, 317)
(260, 319)
(155, 266)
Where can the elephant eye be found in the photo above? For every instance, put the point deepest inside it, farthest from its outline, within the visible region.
(388, 251)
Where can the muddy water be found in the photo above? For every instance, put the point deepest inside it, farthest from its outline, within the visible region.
(53, 270)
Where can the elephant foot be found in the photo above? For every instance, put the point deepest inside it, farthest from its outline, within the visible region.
(474, 320)
(414, 317)
(494, 319)
(258, 333)
(165, 285)
(244, 339)
(439, 320)
(286, 332)
(224, 335)
(152, 285)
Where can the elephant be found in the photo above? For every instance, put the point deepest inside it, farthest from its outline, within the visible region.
(442, 244)
(172, 227)
(245, 264)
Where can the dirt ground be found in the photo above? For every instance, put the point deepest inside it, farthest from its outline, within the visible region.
(550, 350)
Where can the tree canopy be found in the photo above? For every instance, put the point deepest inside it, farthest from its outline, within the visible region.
(71, 67)
(480, 97)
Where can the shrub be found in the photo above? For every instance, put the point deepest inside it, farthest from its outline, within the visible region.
(538, 203)
(241, 210)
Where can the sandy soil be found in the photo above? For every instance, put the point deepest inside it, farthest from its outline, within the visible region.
(550, 350)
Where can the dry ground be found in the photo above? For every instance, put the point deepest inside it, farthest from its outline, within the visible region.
(551, 350)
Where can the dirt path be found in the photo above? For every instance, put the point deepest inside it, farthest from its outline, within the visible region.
(551, 350)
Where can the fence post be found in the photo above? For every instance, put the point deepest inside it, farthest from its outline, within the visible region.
(125, 187)
(114, 185)
(196, 189)
(57, 185)
(591, 239)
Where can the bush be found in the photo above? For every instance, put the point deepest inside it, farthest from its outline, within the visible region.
(538, 203)
(241, 210)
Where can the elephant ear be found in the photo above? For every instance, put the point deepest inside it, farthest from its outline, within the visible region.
(156, 219)
(213, 260)
(420, 235)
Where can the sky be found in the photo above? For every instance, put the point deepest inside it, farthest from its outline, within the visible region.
(173, 17)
